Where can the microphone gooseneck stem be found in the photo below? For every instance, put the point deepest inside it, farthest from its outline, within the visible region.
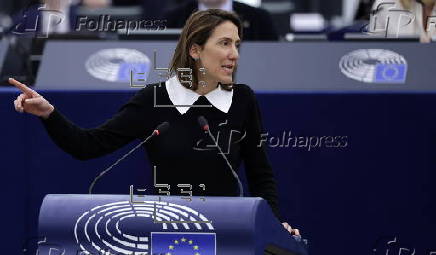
(241, 190)
(155, 132)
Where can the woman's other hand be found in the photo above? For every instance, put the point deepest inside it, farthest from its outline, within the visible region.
(292, 231)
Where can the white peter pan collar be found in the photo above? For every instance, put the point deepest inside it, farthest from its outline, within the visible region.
(180, 95)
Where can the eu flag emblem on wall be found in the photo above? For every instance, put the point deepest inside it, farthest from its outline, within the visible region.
(139, 70)
(390, 73)
(183, 243)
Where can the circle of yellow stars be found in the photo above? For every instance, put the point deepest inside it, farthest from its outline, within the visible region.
(185, 241)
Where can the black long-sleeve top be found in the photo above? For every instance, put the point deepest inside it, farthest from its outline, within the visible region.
(184, 154)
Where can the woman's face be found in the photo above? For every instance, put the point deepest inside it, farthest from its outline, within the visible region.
(219, 54)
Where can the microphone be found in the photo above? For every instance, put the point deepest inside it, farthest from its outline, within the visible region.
(205, 126)
(203, 123)
(160, 129)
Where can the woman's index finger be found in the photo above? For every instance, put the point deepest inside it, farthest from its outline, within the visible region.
(21, 86)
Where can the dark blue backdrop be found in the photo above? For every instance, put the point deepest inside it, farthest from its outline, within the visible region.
(375, 185)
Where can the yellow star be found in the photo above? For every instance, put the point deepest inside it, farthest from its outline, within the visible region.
(171, 247)
(183, 239)
(195, 247)
(190, 241)
(176, 242)
(197, 253)
(168, 253)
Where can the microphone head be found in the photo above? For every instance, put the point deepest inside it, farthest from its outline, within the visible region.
(163, 127)
(203, 123)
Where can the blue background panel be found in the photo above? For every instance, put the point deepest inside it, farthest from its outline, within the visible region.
(377, 186)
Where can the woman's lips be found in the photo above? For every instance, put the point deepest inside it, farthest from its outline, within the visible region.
(228, 69)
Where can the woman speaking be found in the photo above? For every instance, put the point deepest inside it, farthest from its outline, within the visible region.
(208, 46)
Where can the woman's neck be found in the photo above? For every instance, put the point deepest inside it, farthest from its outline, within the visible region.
(203, 90)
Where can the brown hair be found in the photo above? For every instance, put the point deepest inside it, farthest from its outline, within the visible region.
(197, 30)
